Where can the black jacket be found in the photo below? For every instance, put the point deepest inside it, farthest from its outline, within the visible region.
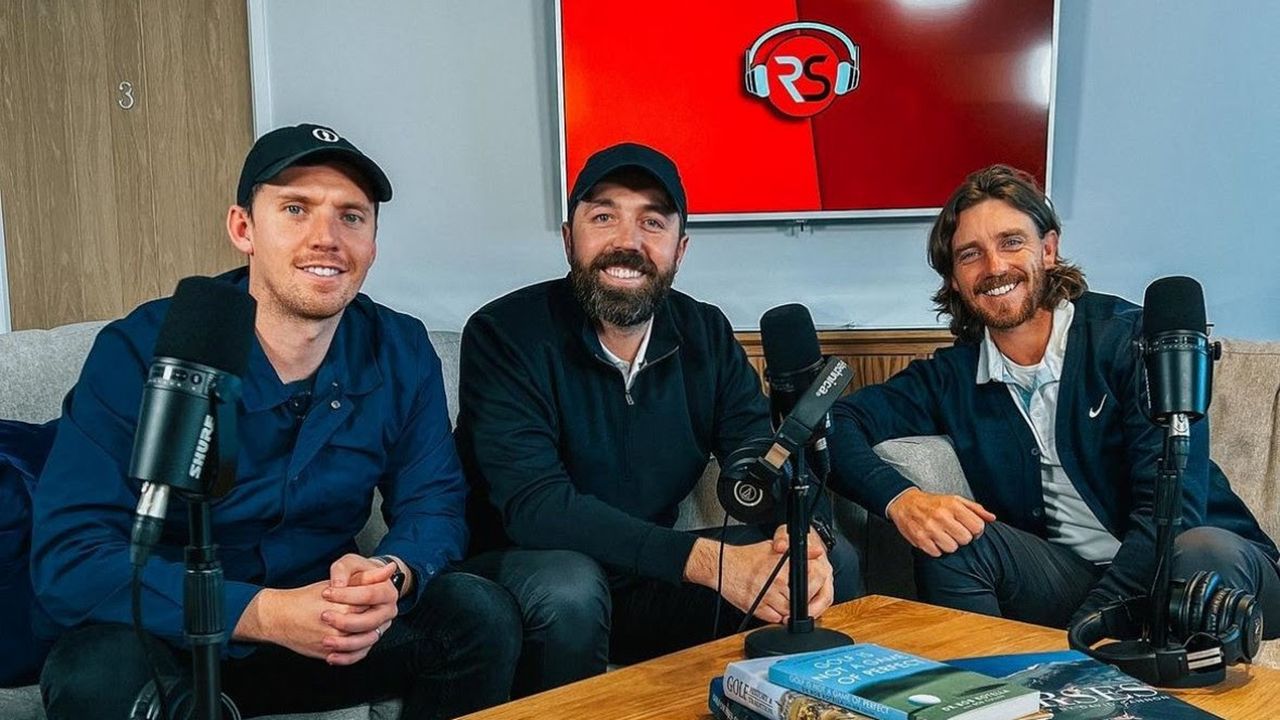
(560, 455)
(1108, 448)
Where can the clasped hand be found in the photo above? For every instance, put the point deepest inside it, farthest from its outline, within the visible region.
(748, 566)
(337, 620)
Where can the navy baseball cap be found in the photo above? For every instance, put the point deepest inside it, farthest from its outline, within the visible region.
(287, 146)
(605, 162)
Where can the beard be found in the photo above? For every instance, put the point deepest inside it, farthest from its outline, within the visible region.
(1037, 285)
(623, 307)
(293, 299)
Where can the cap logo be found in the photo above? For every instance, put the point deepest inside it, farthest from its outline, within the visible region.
(325, 135)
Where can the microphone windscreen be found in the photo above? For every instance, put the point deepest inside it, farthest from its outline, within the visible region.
(209, 322)
(789, 339)
(1173, 303)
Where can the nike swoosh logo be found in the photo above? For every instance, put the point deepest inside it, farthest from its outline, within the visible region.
(1093, 412)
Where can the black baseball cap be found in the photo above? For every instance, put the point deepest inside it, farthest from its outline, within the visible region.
(605, 162)
(287, 146)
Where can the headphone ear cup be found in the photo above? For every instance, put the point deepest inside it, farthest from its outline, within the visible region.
(1179, 589)
(1239, 615)
(1186, 604)
(1247, 613)
(844, 77)
(1201, 600)
(758, 81)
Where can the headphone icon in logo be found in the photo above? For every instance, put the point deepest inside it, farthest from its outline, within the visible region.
(757, 74)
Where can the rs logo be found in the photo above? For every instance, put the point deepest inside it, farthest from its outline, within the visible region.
(803, 60)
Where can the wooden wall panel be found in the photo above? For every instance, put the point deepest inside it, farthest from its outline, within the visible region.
(874, 355)
(135, 226)
(95, 243)
(105, 206)
(18, 164)
(197, 79)
(57, 229)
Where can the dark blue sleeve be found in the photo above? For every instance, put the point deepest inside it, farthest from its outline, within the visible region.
(423, 491)
(902, 406)
(83, 506)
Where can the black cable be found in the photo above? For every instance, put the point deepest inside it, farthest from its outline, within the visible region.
(136, 592)
(822, 486)
(715, 624)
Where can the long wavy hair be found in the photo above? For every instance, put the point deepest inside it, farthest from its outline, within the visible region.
(1020, 190)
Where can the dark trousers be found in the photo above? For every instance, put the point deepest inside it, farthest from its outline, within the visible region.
(578, 618)
(1011, 573)
(452, 654)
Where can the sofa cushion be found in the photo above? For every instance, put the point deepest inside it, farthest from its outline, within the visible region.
(38, 367)
(1244, 426)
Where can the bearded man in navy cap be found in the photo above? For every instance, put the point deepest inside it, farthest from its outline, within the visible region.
(589, 406)
(341, 396)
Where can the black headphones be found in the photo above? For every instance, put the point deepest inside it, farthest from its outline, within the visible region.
(1211, 626)
(748, 488)
(180, 699)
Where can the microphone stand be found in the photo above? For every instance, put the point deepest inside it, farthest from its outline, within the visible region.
(203, 583)
(800, 633)
(1167, 517)
(202, 601)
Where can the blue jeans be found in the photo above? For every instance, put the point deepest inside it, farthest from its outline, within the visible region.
(454, 653)
(1007, 572)
(578, 617)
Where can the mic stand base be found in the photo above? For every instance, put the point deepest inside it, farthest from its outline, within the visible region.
(779, 640)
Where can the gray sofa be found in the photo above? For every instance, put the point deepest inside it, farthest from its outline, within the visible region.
(37, 367)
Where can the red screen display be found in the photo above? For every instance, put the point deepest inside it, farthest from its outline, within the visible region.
(845, 108)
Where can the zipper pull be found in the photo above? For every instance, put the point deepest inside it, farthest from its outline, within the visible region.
(629, 400)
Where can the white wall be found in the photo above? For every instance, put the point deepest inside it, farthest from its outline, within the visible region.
(1166, 160)
(6, 317)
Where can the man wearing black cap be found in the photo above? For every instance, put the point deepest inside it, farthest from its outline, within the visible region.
(589, 407)
(341, 396)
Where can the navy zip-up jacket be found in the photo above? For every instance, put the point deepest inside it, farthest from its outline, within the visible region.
(303, 491)
(1107, 446)
(561, 456)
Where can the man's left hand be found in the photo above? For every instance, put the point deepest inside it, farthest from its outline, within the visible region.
(365, 585)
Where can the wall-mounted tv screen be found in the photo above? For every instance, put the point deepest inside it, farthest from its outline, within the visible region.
(811, 109)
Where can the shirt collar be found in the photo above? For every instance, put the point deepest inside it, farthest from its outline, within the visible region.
(991, 362)
(632, 366)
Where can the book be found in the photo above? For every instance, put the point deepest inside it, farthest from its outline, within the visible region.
(1074, 686)
(892, 685)
(746, 685)
(725, 709)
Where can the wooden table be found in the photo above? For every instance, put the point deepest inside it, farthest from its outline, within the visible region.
(675, 686)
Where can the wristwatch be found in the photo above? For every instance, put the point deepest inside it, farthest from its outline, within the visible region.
(825, 533)
(398, 577)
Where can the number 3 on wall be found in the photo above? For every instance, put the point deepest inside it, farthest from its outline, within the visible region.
(126, 100)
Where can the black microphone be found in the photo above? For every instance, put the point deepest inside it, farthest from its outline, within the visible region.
(750, 483)
(201, 353)
(793, 361)
(1176, 349)
(1177, 356)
